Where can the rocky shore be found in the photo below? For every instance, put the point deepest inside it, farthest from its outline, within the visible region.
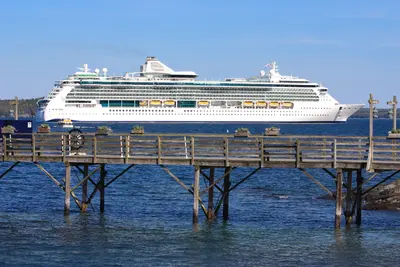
(385, 197)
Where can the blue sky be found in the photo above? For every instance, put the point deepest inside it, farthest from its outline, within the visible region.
(352, 47)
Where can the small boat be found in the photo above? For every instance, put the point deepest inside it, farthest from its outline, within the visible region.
(65, 123)
(203, 103)
(169, 103)
(287, 105)
(248, 104)
(155, 103)
(274, 105)
(261, 104)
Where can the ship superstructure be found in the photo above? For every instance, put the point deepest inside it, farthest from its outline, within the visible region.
(157, 93)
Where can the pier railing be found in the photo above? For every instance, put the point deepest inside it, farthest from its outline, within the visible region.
(204, 149)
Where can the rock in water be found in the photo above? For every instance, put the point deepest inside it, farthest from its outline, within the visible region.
(384, 197)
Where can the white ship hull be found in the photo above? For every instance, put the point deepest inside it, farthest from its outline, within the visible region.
(159, 94)
(336, 113)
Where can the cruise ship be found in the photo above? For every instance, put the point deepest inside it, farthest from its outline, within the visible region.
(157, 93)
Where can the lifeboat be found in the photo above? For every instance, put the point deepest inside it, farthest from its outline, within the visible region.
(274, 105)
(169, 103)
(261, 104)
(287, 105)
(203, 103)
(155, 103)
(248, 104)
(65, 123)
(143, 103)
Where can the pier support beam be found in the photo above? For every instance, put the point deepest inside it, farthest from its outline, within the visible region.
(196, 186)
(67, 198)
(359, 197)
(85, 187)
(348, 213)
(101, 186)
(210, 212)
(227, 183)
(339, 178)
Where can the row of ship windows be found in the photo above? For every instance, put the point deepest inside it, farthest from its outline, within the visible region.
(210, 87)
(202, 111)
(211, 97)
(186, 92)
(191, 114)
(190, 92)
(73, 100)
(185, 96)
(190, 89)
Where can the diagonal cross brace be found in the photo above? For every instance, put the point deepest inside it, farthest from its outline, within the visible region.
(244, 179)
(317, 182)
(84, 179)
(9, 169)
(82, 172)
(76, 200)
(119, 175)
(184, 186)
(217, 181)
(208, 178)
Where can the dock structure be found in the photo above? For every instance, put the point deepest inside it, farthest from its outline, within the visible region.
(341, 158)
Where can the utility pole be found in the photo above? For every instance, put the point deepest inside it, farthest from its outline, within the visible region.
(15, 102)
(394, 104)
(371, 102)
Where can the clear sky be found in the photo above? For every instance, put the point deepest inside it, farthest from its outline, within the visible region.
(351, 46)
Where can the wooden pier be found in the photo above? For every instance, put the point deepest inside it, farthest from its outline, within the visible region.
(339, 156)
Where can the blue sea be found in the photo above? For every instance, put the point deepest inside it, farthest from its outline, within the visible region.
(276, 217)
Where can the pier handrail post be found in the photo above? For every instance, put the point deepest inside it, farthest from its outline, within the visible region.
(334, 153)
(159, 149)
(127, 140)
(4, 147)
(33, 147)
(63, 148)
(262, 152)
(192, 149)
(226, 149)
(94, 149)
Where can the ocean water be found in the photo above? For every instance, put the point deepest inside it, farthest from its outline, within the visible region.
(276, 217)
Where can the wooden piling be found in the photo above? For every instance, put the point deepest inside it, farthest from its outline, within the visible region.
(349, 194)
(101, 186)
(227, 184)
(339, 178)
(196, 186)
(67, 199)
(359, 197)
(85, 187)
(210, 212)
